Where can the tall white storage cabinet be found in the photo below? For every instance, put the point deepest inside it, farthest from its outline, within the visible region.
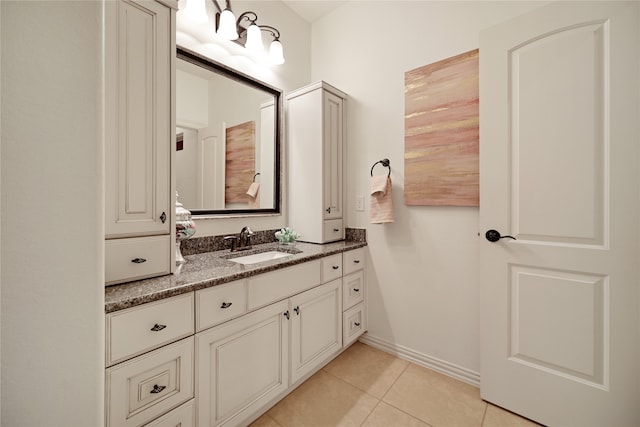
(140, 135)
(316, 140)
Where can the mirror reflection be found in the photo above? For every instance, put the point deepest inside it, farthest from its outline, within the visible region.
(227, 139)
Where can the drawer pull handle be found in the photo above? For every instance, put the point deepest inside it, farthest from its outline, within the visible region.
(356, 289)
(138, 260)
(226, 305)
(357, 323)
(158, 327)
(356, 261)
(286, 314)
(335, 267)
(297, 310)
(158, 388)
(335, 230)
(163, 217)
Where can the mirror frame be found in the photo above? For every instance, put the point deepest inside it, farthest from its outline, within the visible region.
(218, 68)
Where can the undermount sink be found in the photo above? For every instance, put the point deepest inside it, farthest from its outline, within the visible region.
(259, 257)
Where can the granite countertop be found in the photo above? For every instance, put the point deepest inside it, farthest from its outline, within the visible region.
(210, 269)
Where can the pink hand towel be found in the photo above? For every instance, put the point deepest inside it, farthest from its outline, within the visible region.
(381, 209)
(254, 197)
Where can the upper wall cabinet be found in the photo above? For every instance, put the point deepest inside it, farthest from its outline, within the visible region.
(140, 126)
(316, 132)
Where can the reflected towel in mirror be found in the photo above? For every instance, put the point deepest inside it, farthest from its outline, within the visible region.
(254, 197)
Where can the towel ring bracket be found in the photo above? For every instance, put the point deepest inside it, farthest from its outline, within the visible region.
(384, 162)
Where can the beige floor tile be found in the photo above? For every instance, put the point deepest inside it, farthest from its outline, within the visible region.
(264, 421)
(386, 416)
(498, 417)
(436, 399)
(367, 368)
(323, 401)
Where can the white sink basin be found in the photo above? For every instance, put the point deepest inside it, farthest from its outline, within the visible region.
(260, 257)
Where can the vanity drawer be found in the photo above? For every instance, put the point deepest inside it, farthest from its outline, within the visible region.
(138, 329)
(331, 267)
(220, 303)
(277, 285)
(332, 230)
(136, 258)
(182, 416)
(352, 289)
(149, 385)
(354, 260)
(353, 324)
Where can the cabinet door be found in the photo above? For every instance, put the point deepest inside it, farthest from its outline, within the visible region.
(242, 365)
(316, 327)
(138, 117)
(333, 138)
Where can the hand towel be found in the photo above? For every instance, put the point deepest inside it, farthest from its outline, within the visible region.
(381, 209)
(254, 197)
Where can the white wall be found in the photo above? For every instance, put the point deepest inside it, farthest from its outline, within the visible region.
(52, 214)
(294, 73)
(423, 285)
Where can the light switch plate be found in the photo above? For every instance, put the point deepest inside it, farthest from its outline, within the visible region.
(359, 203)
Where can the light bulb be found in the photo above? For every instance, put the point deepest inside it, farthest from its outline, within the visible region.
(227, 29)
(276, 55)
(196, 11)
(254, 39)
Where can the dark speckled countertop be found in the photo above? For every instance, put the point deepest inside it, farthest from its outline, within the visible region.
(210, 269)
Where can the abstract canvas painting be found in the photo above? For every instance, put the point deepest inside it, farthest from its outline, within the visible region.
(441, 142)
(240, 161)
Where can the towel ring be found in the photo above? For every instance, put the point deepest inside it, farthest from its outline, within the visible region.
(383, 162)
(254, 177)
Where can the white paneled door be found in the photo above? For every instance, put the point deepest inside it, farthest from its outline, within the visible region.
(559, 141)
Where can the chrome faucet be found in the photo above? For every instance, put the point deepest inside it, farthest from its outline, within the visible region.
(242, 241)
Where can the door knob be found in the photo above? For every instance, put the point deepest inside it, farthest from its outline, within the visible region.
(494, 236)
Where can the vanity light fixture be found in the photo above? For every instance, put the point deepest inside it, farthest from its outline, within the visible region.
(245, 31)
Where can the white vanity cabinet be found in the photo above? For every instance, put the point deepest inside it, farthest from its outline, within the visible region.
(316, 327)
(140, 134)
(354, 308)
(242, 365)
(222, 355)
(315, 117)
(150, 362)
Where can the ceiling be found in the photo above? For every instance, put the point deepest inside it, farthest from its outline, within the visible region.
(312, 10)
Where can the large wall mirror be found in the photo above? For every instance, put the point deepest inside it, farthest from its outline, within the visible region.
(227, 139)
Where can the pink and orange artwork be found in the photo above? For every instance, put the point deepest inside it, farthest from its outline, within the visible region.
(441, 142)
(240, 161)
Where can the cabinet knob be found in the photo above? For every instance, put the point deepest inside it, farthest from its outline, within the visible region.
(157, 327)
(158, 388)
(356, 289)
(328, 209)
(138, 260)
(297, 310)
(163, 217)
(335, 230)
(226, 304)
(357, 323)
(286, 314)
(356, 261)
(335, 267)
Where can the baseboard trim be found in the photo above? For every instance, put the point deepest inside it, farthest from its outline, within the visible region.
(463, 374)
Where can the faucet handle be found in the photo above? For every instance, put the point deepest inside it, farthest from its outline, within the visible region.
(234, 241)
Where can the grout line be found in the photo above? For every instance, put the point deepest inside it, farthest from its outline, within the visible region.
(484, 414)
(369, 414)
(395, 407)
(395, 381)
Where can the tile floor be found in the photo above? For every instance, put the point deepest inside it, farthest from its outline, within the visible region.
(368, 387)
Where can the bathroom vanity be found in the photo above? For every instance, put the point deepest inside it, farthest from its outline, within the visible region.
(220, 342)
